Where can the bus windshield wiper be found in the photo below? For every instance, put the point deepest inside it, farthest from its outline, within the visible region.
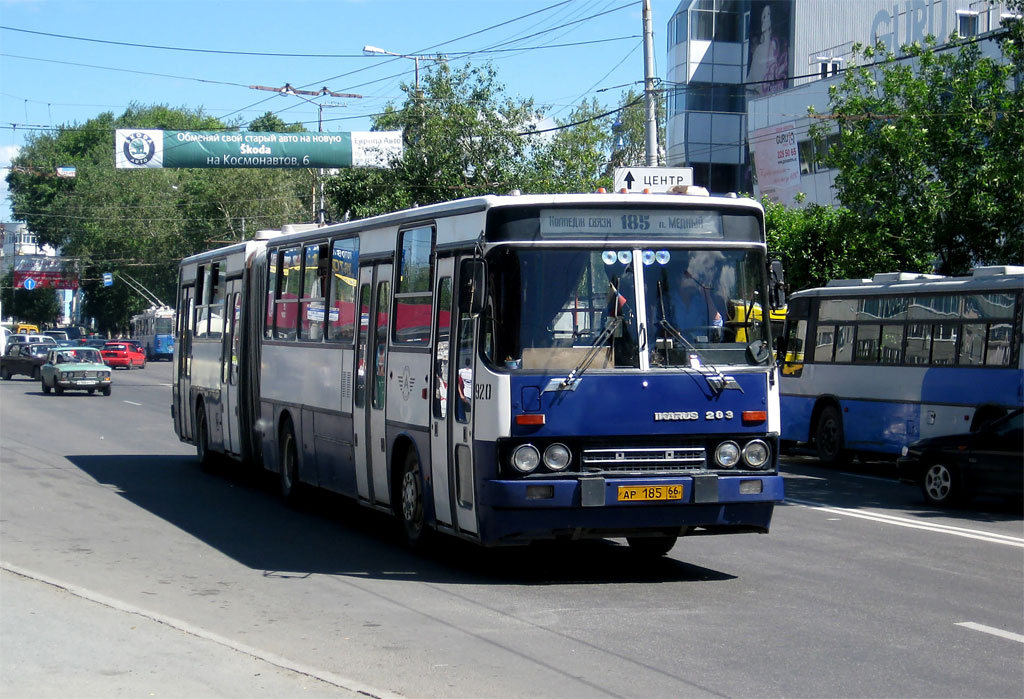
(717, 381)
(599, 342)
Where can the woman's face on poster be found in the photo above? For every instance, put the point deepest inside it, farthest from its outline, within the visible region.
(766, 20)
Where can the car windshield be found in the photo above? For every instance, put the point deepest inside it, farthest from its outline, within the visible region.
(553, 309)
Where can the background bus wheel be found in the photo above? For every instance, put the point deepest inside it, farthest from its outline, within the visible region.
(202, 439)
(828, 437)
(941, 485)
(411, 502)
(651, 545)
(289, 461)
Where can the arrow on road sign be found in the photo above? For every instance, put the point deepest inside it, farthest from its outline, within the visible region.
(29, 284)
(629, 179)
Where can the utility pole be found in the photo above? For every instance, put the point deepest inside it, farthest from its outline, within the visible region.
(649, 89)
(319, 211)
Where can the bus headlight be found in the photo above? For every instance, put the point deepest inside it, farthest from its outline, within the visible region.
(525, 458)
(557, 457)
(727, 454)
(756, 453)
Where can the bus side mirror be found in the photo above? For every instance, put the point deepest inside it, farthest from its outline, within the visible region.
(472, 286)
(777, 284)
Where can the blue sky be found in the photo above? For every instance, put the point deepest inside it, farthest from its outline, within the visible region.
(556, 51)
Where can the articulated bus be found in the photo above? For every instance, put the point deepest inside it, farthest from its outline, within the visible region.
(501, 368)
(871, 365)
(154, 328)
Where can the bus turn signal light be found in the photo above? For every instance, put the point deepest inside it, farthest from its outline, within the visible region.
(530, 419)
(754, 417)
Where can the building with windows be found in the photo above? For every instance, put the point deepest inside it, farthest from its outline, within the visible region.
(42, 264)
(741, 75)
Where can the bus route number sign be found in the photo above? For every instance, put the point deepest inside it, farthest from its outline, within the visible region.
(647, 493)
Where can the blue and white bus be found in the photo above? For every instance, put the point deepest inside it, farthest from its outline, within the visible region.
(501, 368)
(154, 328)
(872, 365)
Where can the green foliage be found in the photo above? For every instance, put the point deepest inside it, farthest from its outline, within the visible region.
(929, 153)
(274, 123)
(38, 306)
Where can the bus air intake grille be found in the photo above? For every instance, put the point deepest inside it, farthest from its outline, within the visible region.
(682, 459)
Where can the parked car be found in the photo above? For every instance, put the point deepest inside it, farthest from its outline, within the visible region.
(953, 468)
(75, 369)
(23, 358)
(123, 354)
(30, 338)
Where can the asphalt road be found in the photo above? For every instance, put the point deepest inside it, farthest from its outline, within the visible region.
(127, 571)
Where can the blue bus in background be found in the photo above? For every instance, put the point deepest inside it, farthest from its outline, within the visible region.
(871, 365)
(502, 368)
(154, 328)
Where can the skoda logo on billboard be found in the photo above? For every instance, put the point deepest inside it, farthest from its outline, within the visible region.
(139, 148)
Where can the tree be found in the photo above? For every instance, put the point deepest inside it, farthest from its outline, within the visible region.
(928, 156)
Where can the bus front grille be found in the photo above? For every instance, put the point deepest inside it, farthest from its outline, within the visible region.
(679, 459)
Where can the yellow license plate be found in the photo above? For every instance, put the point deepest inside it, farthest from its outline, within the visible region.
(646, 493)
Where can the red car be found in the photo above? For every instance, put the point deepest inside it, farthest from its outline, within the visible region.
(123, 354)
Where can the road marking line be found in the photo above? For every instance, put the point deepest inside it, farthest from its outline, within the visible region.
(1010, 635)
(184, 626)
(978, 534)
(130, 402)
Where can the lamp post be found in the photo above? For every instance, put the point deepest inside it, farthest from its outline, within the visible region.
(375, 51)
(295, 92)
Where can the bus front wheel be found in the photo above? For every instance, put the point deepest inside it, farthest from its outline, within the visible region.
(828, 436)
(291, 489)
(651, 545)
(202, 436)
(411, 502)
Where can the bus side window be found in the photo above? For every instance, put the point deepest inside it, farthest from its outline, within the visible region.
(364, 331)
(793, 365)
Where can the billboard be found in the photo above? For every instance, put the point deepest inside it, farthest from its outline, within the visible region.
(770, 43)
(44, 273)
(776, 162)
(156, 148)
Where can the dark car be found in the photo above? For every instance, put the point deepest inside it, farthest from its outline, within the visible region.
(953, 468)
(23, 358)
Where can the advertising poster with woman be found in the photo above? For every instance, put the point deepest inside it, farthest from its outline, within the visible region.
(770, 39)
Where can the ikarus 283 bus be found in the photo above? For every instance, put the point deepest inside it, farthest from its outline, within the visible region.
(501, 368)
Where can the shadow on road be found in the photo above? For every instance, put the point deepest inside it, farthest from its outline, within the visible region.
(239, 514)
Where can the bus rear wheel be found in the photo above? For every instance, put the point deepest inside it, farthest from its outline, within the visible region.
(288, 459)
(828, 436)
(202, 437)
(411, 502)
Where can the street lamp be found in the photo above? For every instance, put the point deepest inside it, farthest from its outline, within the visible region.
(373, 50)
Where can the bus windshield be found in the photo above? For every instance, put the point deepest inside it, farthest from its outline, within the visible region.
(551, 307)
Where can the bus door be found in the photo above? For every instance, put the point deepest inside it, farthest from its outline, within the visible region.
(370, 393)
(451, 431)
(229, 367)
(183, 369)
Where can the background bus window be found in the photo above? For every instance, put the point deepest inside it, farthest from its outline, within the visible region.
(919, 342)
(892, 344)
(464, 370)
(944, 343)
(793, 363)
(1000, 339)
(345, 267)
(844, 344)
(217, 285)
(823, 340)
(868, 343)
(379, 394)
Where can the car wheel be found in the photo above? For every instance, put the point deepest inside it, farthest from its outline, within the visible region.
(90, 391)
(202, 435)
(828, 437)
(288, 458)
(46, 389)
(651, 545)
(5, 375)
(941, 485)
(58, 390)
(37, 374)
(106, 390)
